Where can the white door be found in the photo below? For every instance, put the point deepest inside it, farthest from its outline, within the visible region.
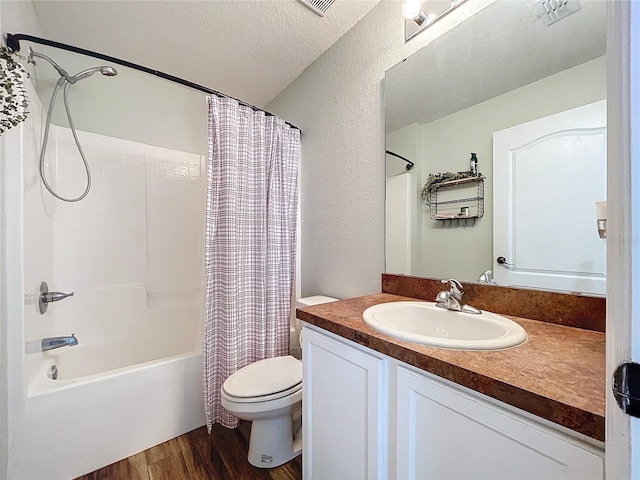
(548, 174)
(623, 229)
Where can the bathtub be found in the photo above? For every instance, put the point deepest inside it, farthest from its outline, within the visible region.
(132, 253)
(111, 399)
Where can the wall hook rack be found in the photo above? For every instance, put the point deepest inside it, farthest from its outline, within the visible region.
(461, 202)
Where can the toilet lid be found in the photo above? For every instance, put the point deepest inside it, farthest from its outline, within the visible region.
(265, 377)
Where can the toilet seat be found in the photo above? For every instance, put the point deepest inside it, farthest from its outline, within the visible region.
(262, 398)
(264, 380)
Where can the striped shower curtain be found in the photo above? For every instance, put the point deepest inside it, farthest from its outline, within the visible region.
(252, 194)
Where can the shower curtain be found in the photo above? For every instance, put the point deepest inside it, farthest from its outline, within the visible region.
(252, 194)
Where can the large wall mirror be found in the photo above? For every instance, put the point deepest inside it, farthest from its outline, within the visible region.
(529, 99)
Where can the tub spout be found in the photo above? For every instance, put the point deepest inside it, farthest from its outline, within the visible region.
(57, 342)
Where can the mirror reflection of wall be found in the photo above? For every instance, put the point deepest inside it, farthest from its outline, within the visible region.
(501, 68)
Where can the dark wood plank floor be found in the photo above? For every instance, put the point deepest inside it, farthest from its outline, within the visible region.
(198, 456)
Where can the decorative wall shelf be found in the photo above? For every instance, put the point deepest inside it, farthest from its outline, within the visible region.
(454, 201)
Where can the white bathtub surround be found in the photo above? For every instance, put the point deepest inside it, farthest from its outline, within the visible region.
(252, 193)
(131, 251)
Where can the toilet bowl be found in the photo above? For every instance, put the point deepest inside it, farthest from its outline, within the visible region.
(269, 394)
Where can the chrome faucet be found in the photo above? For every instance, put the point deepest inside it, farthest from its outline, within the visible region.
(452, 299)
(57, 342)
(487, 277)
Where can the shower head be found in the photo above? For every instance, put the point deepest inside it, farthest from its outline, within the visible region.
(108, 71)
(104, 70)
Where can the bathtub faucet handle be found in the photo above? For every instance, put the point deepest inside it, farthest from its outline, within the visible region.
(47, 297)
(55, 296)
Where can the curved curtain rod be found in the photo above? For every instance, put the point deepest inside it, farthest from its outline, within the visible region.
(13, 42)
(408, 167)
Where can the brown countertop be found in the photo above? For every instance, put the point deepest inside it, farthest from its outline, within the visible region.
(557, 374)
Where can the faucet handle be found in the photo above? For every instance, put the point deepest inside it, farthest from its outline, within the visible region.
(443, 297)
(455, 287)
(47, 297)
(55, 296)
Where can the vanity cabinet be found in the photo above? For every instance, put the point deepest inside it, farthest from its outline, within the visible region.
(344, 415)
(445, 432)
(367, 415)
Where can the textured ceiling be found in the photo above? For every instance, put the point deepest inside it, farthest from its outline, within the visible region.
(249, 49)
(501, 48)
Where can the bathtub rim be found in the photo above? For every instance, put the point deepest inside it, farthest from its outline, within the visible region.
(43, 385)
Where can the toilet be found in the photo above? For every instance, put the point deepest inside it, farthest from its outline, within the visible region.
(269, 393)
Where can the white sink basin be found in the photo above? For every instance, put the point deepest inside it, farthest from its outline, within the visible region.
(426, 324)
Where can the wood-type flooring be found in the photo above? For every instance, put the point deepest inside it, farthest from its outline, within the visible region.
(198, 456)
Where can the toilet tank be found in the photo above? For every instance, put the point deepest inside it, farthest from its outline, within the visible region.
(296, 326)
(315, 300)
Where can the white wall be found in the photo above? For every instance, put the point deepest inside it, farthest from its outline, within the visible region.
(338, 104)
(14, 17)
(18, 17)
(131, 105)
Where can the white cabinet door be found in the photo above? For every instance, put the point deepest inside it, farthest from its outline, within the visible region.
(446, 433)
(343, 410)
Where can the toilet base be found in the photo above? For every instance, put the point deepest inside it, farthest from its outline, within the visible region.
(273, 443)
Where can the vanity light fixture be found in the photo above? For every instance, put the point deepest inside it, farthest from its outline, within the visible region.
(420, 14)
(412, 10)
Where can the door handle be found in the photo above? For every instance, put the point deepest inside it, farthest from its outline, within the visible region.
(626, 388)
(503, 261)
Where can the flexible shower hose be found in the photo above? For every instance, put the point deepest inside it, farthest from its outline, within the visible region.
(75, 137)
